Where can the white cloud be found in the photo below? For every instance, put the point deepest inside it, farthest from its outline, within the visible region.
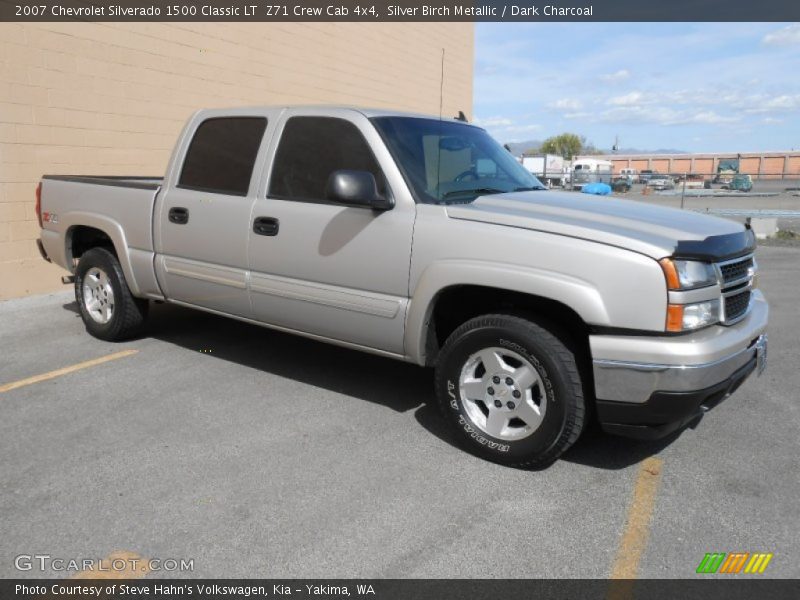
(663, 115)
(517, 129)
(516, 133)
(771, 121)
(493, 122)
(761, 103)
(566, 104)
(784, 102)
(708, 117)
(507, 128)
(639, 114)
(787, 36)
(617, 77)
(630, 99)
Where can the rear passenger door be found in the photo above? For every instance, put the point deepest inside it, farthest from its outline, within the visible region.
(203, 216)
(323, 268)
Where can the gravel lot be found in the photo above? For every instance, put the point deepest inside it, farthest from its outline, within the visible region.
(259, 454)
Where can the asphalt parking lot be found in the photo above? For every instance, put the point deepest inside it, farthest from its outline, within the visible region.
(259, 454)
(768, 195)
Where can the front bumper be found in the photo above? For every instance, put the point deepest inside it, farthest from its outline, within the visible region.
(647, 387)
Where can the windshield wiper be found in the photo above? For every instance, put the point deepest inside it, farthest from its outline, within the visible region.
(530, 189)
(476, 191)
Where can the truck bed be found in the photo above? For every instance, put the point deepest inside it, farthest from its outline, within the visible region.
(119, 206)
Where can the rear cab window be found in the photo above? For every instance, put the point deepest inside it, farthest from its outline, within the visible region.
(222, 154)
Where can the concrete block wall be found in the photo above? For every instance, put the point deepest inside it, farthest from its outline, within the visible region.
(111, 98)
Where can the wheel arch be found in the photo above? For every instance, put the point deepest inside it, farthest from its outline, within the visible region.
(83, 231)
(445, 299)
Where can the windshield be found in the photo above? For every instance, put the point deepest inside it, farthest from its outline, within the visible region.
(449, 162)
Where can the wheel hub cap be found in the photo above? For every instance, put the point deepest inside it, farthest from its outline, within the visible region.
(502, 394)
(98, 295)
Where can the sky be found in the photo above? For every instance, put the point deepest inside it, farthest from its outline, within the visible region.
(698, 87)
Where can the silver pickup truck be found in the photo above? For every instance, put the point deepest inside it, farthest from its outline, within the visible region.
(422, 239)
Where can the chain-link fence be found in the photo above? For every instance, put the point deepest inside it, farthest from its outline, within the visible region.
(767, 183)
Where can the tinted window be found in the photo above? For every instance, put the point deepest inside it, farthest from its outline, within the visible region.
(311, 149)
(222, 154)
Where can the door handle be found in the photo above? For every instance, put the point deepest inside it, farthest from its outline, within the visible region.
(179, 215)
(266, 226)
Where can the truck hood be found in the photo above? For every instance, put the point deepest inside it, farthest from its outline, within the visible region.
(652, 230)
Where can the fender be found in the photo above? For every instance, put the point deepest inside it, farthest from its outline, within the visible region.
(578, 294)
(108, 226)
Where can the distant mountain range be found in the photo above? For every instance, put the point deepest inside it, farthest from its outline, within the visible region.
(518, 148)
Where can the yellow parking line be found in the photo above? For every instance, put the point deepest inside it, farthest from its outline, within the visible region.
(118, 565)
(66, 370)
(637, 528)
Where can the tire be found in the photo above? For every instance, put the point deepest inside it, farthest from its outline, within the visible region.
(106, 305)
(516, 423)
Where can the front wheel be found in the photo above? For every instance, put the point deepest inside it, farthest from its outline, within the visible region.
(511, 390)
(107, 307)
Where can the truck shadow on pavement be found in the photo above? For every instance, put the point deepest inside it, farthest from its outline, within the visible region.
(593, 449)
(399, 386)
(390, 383)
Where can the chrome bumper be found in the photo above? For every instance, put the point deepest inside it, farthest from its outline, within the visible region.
(687, 363)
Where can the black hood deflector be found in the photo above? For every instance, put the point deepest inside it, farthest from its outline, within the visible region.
(718, 247)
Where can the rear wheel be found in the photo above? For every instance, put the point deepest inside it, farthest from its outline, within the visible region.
(107, 307)
(511, 390)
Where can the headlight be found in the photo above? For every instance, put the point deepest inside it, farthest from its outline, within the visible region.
(685, 317)
(687, 274)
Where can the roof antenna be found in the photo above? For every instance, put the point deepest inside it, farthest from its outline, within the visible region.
(462, 117)
(439, 143)
(441, 88)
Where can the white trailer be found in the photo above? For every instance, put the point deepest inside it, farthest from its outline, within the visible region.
(549, 168)
(591, 170)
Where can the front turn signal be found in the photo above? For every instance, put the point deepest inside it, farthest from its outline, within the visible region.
(671, 273)
(675, 317)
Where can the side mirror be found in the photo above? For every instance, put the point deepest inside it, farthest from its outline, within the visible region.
(356, 188)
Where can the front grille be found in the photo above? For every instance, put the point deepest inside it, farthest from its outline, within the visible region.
(736, 305)
(736, 280)
(735, 271)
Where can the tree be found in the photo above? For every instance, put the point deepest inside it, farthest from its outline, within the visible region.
(567, 145)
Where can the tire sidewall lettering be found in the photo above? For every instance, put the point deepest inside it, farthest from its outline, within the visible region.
(451, 387)
(480, 438)
(537, 364)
